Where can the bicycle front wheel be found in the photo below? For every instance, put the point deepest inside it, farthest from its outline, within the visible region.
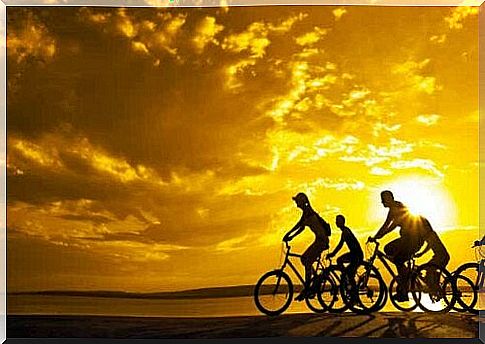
(273, 293)
(434, 289)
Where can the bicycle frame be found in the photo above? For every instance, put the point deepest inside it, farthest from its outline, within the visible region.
(384, 259)
(288, 262)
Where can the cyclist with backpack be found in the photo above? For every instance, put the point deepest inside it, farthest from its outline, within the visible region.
(319, 227)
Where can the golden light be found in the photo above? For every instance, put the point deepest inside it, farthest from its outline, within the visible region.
(427, 197)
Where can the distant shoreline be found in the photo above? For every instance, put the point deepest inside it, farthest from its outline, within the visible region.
(202, 293)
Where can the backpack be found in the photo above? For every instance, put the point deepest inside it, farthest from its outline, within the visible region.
(325, 225)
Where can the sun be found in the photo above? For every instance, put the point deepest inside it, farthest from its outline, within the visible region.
(426, 197)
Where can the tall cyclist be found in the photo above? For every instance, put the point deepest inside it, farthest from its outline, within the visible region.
(319, 227)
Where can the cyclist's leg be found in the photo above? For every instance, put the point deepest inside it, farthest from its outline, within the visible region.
(344, 258)
(307, 259)
(481, 275)
(440, 257)
(401, 251)
(355, 260)
(392, 250)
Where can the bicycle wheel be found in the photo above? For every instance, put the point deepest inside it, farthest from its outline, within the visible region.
(367, 292)
(405, 306)
(465, 298)
(320, 299)
(273, 293)
(336, 302)
(433, 289)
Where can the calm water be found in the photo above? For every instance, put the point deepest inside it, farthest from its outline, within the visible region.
(62, 305)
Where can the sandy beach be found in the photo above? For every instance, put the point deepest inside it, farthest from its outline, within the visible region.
(389, 324)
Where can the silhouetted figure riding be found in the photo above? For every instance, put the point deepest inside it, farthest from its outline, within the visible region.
(355, 255)
(441, 257)
(411, 238)
(319, 227)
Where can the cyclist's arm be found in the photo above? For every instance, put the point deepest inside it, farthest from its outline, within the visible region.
(482, 242)
(419, 254)
(387, 227)
(338, 247)
(297, 229)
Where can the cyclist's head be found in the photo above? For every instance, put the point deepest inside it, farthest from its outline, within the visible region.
(340, 221)
(301, 200)
(387, 198)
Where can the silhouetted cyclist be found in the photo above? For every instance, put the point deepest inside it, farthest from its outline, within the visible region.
(441, 257)
(319, 227)
(402, 249)
(355, 255)
(480, 242)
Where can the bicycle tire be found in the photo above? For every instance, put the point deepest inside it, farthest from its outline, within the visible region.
(399, 305)
(355, 303)
(338, 304)
(473, 266)
(460, 305)
(259, 293)
(323, 285)
(423, 304)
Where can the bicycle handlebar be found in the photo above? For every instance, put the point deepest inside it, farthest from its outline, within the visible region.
(372, 240)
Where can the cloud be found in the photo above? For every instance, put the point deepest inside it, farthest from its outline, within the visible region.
(423, 164)
(459, 14)
(44, 156)
(205, 33)
(234, 71)
(428, 120)
(339, 184)
(255, 39)
(310, 38)
(339, 12)
(140, 47)
(412, 74)
(29, 39)
(150, 36)
(438, 38)
(379, 171)
(380, 127)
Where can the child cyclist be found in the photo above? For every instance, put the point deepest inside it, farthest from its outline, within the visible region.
(355, 256)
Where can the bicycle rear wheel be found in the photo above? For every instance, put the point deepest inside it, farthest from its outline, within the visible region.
(467, 297)
(367, 292)
(434, 289)
(405, 306)
(336, 303)
(273, 293)
(464, 300)
(322, 290)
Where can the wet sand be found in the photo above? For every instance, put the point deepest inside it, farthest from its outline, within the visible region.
(388, 324)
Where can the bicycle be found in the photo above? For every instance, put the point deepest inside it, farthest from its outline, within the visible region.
(334, 298)
(276, 288)
(469, 280)
(418, 278)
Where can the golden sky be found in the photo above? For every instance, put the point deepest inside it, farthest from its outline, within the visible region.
(158, 149)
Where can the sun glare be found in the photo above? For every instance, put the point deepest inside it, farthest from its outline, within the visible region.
(427, 198)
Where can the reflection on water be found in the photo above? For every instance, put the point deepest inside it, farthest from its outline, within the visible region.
(62, 305)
